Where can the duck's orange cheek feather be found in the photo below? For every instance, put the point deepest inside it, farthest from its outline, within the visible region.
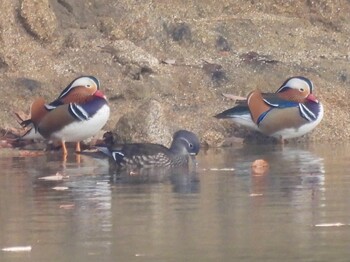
(79, 95)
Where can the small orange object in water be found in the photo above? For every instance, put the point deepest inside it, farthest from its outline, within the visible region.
(260, 167)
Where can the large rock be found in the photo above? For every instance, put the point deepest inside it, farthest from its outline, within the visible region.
(146, 124)
(38, 18)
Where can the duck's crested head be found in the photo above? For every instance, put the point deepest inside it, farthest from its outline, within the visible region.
(297, 88)
(185, 142)
(300, 83)
(86, 81)
(88, 84)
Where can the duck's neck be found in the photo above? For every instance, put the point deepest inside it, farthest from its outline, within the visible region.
(177, 147)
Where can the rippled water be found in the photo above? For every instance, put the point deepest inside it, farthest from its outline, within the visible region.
(298, 211)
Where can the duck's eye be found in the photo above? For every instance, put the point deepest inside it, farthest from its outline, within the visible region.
(88, 86)
(301, 89)
(190, 145)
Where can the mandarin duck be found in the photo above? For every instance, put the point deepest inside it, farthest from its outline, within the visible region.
(185, 144)
(290, 112)
(80, 111)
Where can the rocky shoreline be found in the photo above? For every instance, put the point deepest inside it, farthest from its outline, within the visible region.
(165, 67)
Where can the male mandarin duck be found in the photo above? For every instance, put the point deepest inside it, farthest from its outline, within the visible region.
(290, 112)
(185, 144)
(80, 111)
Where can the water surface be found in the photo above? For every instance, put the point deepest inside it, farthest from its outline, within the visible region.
(221, 212)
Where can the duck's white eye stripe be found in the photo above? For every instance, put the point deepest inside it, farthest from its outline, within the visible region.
(87, 81)
(66, 92)
(184, 139)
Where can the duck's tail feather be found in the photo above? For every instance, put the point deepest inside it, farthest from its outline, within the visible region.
(240, 115)
(32, 133)
(233, 112)
(104, 150)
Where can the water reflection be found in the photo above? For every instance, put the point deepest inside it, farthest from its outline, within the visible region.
(220, 211)
(294, 172)
(79, 206)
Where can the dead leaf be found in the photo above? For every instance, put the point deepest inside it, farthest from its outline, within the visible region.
(57, 177)
(67, 206)
(234, 97)
(225, 169)
(21, 115)
(255, 58)
(255, 194)
(17, 249)
(169, 61)
(331, 225)
(60, 188)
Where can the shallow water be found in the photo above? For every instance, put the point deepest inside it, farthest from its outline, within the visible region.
(298, 211)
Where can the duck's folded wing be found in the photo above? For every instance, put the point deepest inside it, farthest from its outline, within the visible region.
(274, 100)
(137, 152)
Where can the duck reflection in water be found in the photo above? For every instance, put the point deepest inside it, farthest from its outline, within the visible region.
(291, 169)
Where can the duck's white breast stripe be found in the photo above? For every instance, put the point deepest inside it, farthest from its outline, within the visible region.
(306, 113)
